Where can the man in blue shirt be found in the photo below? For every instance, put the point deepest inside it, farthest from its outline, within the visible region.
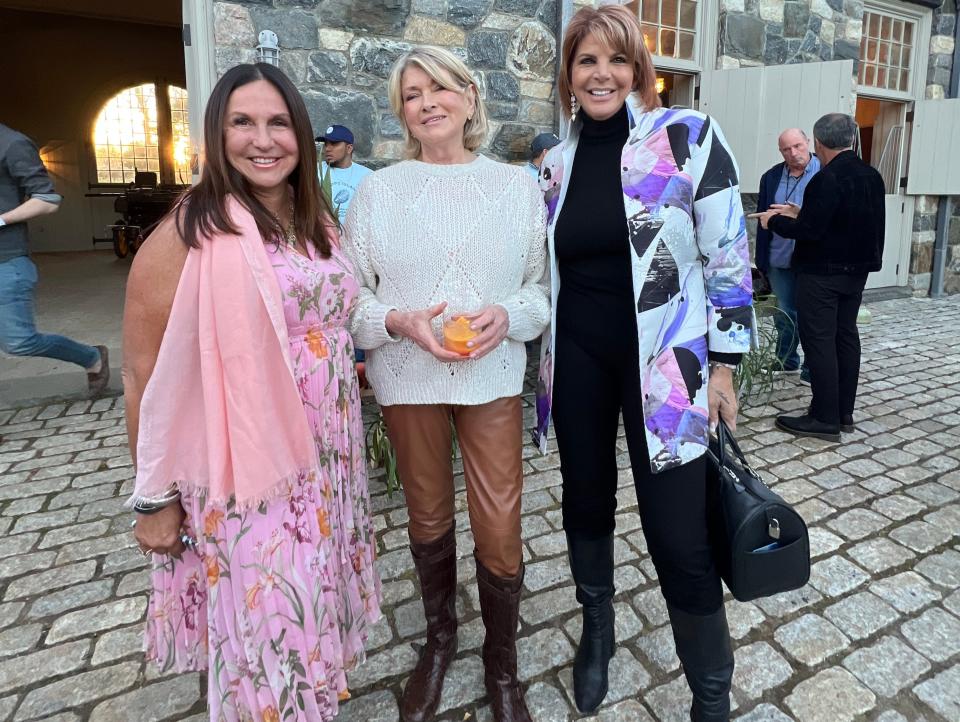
(345, 175)
(26, 193)
(785, 183)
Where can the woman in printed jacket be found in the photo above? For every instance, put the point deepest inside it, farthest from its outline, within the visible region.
(652, 309)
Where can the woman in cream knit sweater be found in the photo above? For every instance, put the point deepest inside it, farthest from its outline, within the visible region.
(451, 231)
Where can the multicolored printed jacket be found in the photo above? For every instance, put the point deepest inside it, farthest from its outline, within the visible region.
(691, 269)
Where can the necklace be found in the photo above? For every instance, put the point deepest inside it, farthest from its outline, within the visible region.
(790, 191)
(290, 232)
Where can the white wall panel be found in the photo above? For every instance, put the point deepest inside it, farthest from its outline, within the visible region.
(754, 105)
(935, 148)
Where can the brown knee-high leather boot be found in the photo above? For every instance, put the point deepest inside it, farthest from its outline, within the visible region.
(500, 609)
(436, 565)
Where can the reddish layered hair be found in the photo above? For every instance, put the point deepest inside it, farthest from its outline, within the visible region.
(618, 28)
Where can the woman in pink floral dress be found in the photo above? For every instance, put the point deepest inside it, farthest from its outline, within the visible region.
(244, 414)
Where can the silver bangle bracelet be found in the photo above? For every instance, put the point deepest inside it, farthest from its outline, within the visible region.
(168, 497)
(721, 364)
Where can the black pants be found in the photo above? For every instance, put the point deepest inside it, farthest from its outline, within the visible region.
(590, 389)
(827, 309)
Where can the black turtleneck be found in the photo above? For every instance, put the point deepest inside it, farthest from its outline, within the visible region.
(596, 304)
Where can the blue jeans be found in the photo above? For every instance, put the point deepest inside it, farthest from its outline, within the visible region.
(783, 281)
(18, 331)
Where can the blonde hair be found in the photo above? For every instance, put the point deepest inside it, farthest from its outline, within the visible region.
(448, 71)
(619, 29)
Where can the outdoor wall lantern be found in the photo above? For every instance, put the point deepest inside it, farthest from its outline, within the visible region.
(268, 51)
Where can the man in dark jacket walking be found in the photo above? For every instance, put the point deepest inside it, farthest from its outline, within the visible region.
(839, 234)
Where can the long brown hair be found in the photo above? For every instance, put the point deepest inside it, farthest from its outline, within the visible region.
(618, 28)
(202, 209)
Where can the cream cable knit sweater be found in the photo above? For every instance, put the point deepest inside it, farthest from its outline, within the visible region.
(471, 234)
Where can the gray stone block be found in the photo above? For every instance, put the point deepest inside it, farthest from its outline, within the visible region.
(502, 86)
(294, 28)
(376, 56)
(541, 651)
(513, 141)
(942, 569)
(887, 666)
(79, 690)
(463, 684)
(857, 523)
(907, 591)
(372, 16)
(833, 695)
(469, 13)
(524, 8)
(546, 702)
(167, 699)
(836, 576)
(810, 639)
(764, 713)
(658, 647)
(327, 66)
(935, 634)
(861, 614)
(487, 49)
(921, 536)
(940, 693)
(759, 668)
(880, 554)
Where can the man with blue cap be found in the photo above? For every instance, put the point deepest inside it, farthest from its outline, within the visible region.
(538, 149)
(345, 175)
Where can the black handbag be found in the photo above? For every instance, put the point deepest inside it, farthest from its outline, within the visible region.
(760, 542)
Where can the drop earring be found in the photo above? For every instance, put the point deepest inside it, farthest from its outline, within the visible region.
(573, 107)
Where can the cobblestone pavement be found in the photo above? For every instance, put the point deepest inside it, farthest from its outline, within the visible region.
(874, 636)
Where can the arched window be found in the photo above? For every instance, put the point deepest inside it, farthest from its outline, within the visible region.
(129, 135)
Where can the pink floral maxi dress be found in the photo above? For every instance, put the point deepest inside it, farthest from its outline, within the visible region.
(277, 601)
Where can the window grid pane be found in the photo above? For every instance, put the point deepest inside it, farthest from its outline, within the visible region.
(180, 121)
(886, 52)
(125, 134)
(662, 22)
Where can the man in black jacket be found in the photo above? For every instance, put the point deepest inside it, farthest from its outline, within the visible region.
(839, 234)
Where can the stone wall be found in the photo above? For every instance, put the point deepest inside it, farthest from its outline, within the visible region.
(925, 215)
(781, 32)
(339, 54)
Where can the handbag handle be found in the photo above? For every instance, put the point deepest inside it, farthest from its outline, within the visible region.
(725, 439)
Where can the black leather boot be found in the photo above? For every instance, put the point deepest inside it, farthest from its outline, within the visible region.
(706, 653)
(591, 561)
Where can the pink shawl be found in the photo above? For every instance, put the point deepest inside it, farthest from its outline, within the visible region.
(221, 415)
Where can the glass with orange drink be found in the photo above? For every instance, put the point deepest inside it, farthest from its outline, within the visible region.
(456, 334)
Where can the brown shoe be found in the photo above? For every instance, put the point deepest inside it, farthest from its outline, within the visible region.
(97, 382)
(436, 565)
(500, 609)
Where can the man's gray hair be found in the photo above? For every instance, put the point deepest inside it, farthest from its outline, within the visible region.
(835, 131)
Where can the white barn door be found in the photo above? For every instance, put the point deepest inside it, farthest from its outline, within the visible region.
(754, 105)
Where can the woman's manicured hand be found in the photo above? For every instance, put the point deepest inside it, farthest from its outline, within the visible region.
(416, 325)
(493, 324)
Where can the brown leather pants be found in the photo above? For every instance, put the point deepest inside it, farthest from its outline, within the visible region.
(490, 438)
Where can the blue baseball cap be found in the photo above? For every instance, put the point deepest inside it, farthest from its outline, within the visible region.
(336, 134)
